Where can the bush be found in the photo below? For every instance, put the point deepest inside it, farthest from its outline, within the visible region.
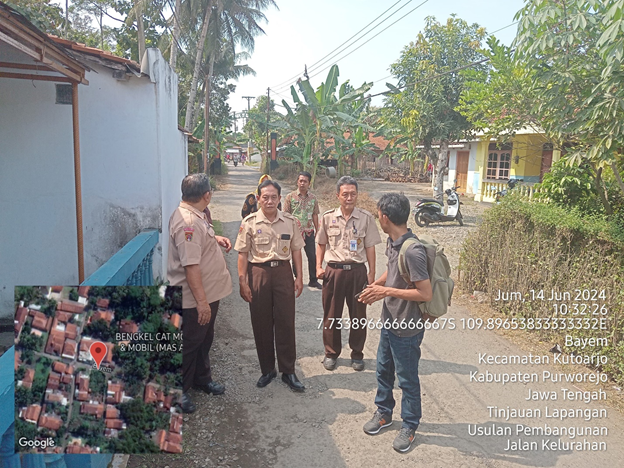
(522, 246)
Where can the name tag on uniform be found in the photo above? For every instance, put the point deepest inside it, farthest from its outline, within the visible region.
(353, 245)
(309, 215)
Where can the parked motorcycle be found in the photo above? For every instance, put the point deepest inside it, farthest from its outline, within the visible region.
(430, 210)
(511, 183)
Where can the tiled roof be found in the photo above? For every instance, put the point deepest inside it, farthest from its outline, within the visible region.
(102, 54)
(50, 422)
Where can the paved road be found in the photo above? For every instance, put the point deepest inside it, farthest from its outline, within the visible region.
(323, 428)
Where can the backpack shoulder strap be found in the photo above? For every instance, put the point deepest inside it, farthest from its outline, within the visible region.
(402, 265)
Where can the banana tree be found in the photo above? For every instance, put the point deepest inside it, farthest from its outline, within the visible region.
(317, 116)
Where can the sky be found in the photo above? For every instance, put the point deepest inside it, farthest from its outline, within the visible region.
(302, 32)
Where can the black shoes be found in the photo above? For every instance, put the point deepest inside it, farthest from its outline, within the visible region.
(266, 379)
(187, 404)
(293, 382)
(315, 284)
(213, 387)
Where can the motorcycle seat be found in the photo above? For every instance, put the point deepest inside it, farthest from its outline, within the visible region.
(430, 200)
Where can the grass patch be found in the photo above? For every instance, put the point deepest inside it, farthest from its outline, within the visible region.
(218, 227)
(522, 246)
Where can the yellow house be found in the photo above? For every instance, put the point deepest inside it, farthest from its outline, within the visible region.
(483, 167)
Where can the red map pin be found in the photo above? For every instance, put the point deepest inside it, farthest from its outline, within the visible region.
(98, 351)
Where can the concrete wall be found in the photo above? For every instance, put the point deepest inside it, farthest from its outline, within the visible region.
(133, 160)
(449, 179)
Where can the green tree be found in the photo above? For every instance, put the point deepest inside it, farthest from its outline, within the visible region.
(73, 294)
(575, 49)
(322, 115)
(429, 86)
(97, 383)
(99, 329)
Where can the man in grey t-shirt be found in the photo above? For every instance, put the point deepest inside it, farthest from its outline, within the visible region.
(399, 343)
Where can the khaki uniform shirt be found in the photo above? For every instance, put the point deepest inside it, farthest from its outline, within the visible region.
(192, 242)
(346, 240)
(265, 241)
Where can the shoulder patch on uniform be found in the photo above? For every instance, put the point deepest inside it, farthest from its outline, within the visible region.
(329, 211)
(249, 216)
(287, 215)
(367, 213)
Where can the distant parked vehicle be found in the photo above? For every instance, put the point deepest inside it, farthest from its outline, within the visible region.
(511, 183)
(430, 210)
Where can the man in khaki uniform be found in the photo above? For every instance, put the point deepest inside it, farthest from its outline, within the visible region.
(266, 242)
(197, 264)
(346, 240)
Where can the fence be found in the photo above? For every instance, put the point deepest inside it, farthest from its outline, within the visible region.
(131, 266)
(490, 189)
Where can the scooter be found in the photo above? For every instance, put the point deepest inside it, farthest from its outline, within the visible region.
(511, 183)
(429, 210)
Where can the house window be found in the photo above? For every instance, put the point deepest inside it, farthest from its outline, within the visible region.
(63, 94)
(499, 162)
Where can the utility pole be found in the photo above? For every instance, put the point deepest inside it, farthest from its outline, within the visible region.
(249, 98)
(267, 129)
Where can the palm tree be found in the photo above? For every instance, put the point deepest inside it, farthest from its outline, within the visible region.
(233, 21)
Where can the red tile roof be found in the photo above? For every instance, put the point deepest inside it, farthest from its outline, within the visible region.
(84, 291)
(111, 412)
(31, 413)
(83, 383)
(114, 392)
(176, 423)
(82, 396)
(20, 317)
(41, 322)
(102, 54)
(106, 315)
(96, 409)
(54, 397)
(57, 289)
(71, 306)
(50, 422)
(54, 380)
(176, 319)
(102, 303)
(69, 350)
(114, 424)
(71, 331)
(56, 339)
(63, 316)
(75, 448)
(29, 376)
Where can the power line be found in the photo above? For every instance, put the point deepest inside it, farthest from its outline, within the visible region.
(368, 32)
(322, 58)
(363, 44)
(434, 76)
(489, 34)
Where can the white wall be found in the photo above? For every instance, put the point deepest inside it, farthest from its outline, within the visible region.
(133, 159)
(472, 162)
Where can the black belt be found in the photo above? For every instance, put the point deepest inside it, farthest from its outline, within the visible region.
(272, 263)
(345, 266)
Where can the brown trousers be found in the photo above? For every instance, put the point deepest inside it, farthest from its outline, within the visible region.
(272, 311)
(338, 286)
(196, 342)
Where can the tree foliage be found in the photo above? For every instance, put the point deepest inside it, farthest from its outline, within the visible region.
(429, 85)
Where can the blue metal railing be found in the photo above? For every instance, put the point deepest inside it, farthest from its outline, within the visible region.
(131, 266)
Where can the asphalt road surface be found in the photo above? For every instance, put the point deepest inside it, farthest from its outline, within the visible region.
(272, 426)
